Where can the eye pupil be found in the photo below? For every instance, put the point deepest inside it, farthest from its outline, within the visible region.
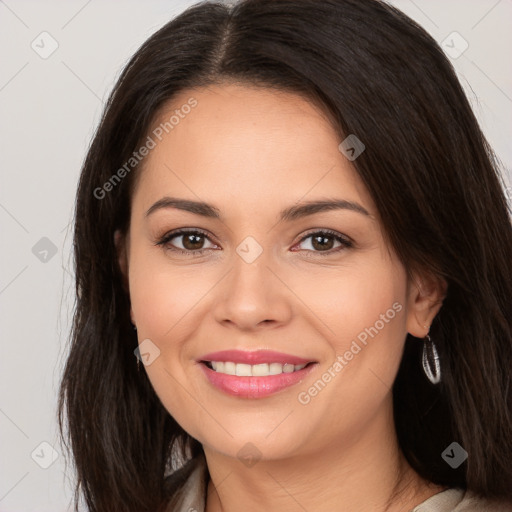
(319, 242)
(192, 241)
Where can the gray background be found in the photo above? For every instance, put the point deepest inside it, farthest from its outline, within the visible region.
(49, 108)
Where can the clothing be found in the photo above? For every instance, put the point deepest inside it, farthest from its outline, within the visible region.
(192, 482)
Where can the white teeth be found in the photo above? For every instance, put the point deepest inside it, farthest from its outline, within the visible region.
(256, 370)
(275, 368)
(229, 368)
(260, 370)
(243, 370)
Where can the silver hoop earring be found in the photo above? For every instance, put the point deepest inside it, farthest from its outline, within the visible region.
(430, 360)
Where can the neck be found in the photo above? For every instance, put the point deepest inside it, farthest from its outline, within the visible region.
(369, 472)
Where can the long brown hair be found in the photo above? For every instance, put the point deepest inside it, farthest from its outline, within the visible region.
(431, 173)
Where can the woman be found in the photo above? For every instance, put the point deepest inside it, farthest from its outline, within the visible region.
(293, 252)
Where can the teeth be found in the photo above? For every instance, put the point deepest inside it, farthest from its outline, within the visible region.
(230, 368)
(243, 370)
(255, 370)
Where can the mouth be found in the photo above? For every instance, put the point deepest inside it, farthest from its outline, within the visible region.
(255, 370)
(254, 374)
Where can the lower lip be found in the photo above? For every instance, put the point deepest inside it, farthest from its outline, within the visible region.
(254, 387)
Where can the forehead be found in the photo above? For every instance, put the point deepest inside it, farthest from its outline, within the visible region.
(246, 143)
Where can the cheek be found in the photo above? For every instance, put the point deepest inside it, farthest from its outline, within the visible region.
(370, 305)
(376, 316)
(164, 299)
(365, 312)
(355, 301)
(162, 294)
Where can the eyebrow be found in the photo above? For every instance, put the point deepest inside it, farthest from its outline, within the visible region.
(288, 214)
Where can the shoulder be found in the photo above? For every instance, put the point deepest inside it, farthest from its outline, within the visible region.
(460, 500)
(186, 487)
(473, 503)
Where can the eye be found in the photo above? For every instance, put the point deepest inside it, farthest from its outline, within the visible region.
(322, 242)
(191, 244)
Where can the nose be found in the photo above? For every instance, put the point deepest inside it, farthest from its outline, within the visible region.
(252, 296)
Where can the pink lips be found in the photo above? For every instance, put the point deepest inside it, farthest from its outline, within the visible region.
(254, 387)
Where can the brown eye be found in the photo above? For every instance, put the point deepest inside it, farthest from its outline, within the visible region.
(192, 242)
(324, 242)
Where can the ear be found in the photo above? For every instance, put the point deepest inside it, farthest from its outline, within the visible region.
(425, 298)
(121, 242)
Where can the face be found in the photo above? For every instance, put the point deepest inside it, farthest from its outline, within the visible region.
(317, 285)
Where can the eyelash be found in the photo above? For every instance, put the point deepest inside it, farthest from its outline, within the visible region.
(346, 243)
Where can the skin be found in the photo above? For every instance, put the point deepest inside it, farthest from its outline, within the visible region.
(252, 152)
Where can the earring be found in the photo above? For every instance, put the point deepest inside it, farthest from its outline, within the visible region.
(430, 360)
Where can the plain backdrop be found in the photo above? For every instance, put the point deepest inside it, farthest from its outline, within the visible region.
(49, 109)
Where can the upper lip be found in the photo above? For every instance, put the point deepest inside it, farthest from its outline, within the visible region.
(254, 357)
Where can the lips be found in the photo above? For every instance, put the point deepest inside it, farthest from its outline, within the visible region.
(246, 384)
